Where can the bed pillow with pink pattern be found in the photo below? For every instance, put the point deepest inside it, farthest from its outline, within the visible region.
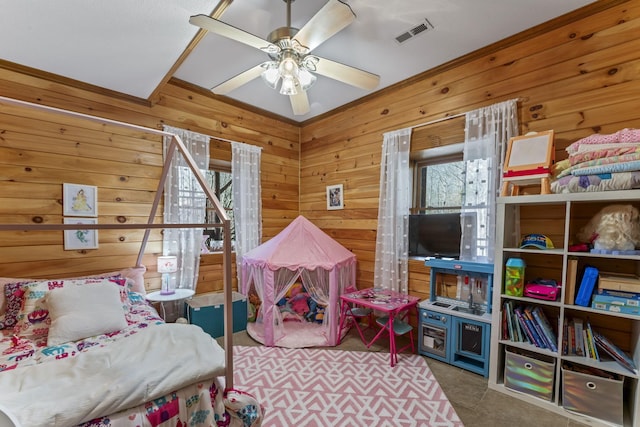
(11, 297)
(33, 320)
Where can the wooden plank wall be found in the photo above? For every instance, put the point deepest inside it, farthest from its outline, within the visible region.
(41, 150)
(578, 74)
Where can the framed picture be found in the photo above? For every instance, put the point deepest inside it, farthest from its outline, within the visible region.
(80, 239)
(80, 200)
(335, 197)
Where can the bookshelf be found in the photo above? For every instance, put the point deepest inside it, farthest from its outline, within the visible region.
(560, 217)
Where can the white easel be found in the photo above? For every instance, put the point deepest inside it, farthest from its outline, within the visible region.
(528, 162)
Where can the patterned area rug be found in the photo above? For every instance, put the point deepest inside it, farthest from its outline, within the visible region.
(333, 388)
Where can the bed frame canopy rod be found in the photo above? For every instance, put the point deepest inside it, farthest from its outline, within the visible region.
(175, 145)
(58, 227)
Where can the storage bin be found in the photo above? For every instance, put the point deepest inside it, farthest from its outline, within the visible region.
(593, 395)
(533, 375)
(207, 311)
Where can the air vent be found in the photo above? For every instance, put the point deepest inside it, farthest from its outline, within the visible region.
(418, 29)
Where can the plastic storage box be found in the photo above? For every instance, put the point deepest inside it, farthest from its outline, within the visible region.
(514, 277)
(592, 395)
(530, 375)
(207, 311)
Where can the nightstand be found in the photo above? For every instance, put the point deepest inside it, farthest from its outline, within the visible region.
(179, 294)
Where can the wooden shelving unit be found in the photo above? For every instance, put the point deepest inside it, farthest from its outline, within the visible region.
(560, 217)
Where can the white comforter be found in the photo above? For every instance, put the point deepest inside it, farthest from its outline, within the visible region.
(103, 381)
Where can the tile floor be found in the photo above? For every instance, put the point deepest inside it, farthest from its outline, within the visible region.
(476, 405)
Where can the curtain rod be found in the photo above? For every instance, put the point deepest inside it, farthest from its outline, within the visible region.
(442, 119)
(453, 116)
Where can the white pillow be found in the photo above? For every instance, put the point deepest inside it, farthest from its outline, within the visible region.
(78, 312)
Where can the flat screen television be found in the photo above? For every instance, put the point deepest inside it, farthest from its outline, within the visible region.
(435, 235)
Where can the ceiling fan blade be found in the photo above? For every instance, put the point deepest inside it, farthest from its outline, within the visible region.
(346, 74)
(225, 30)
(299, 103)
(237, 81)
(333, 17)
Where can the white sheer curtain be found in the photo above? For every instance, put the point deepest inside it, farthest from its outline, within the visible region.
(185, 201)
(391, 266)
(247, 202)
(487, 133)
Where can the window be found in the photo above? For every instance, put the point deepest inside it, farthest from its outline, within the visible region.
(439, 184)
(219, 179)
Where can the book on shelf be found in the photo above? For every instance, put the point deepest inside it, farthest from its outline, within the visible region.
(570, 285)
(615, 352)
(569, 347)
(591, 344)
(509, 316)
(528, 313)
(547, 330)
(525, 333)
(579, 327)
(505, 328)
(528, 328)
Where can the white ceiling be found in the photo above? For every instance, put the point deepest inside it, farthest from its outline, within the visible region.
(129, 46)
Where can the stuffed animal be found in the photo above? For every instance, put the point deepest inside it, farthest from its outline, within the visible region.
(254, 307)
(298, 300)
(615, 227)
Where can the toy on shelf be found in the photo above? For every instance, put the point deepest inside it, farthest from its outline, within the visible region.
(614, 229)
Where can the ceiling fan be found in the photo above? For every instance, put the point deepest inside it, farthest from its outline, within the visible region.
(288, 48)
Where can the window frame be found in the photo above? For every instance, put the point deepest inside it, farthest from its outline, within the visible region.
(217, 167)
(431, 157)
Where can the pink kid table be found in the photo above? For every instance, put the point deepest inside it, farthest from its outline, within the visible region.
(391, 303)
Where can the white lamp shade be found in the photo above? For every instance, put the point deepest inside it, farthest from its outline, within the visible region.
(167, 264)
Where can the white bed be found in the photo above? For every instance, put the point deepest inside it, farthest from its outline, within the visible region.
(92, 351)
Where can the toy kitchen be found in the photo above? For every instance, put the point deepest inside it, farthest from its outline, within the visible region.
(455, 322)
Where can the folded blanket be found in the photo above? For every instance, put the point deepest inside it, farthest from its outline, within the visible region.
(602, 182)
(568, 170)
(604, 153)
(624, 135)
(608, 168)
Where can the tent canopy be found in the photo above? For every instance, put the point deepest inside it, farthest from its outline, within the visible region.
(326, 268)
(300, 244)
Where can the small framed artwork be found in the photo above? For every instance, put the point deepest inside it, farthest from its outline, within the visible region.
(80, 200)
(335, 197)
(81, 238)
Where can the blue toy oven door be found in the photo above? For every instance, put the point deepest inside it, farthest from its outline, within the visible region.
(434, 331)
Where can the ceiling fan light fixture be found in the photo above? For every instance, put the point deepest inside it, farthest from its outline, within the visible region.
(306, 78)
(288, 86)
(288, 65)
(271, 75)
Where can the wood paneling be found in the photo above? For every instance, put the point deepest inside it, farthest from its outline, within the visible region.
(40, 150)
(577, 75)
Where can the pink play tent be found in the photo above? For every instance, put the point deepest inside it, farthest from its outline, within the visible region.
(301, 253)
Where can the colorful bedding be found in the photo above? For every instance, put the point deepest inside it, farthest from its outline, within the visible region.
(138, 376)
(602, 182)
(600, 163)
